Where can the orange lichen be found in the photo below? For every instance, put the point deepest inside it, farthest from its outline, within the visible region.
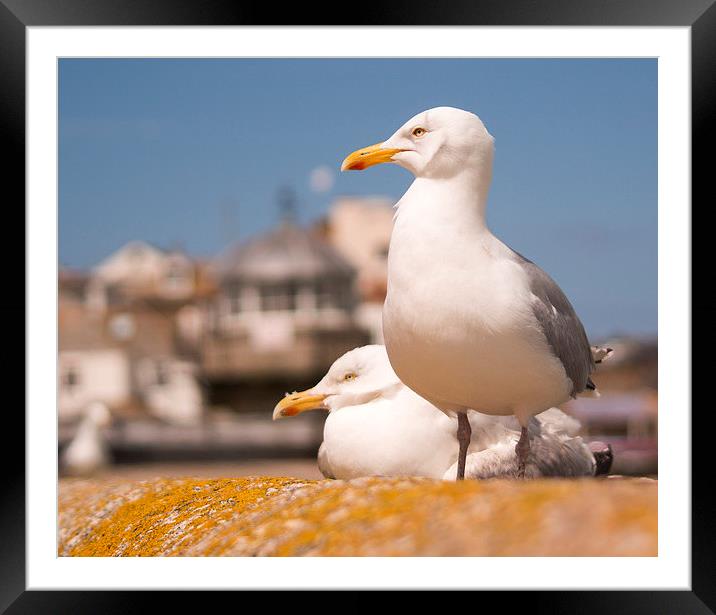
(370, 516)
(170, 515)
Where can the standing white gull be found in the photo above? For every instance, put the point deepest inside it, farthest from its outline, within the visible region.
(379, 427)
(467, 321)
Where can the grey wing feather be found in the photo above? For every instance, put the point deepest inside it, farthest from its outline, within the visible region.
(553, 454)
(323, 464)
(556, 448)
(560, 325)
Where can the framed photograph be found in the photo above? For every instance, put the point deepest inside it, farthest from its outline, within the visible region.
(202, 259)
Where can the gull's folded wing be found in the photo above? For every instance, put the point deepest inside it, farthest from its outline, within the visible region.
(560, 325)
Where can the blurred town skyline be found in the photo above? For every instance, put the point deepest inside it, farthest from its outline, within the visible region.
(164, 357)
(192, 154)
(172, 357)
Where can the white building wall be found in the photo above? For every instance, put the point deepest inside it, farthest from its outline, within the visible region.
(136, 260)
(141, 264)
(101, 375)
(360, 230)
(178, 400)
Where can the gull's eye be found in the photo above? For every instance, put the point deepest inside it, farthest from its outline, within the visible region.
(418, 131)
(349, 376)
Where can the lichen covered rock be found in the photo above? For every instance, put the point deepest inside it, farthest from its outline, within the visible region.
(368, 516)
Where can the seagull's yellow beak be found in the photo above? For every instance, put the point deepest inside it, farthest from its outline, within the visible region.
(295, 403)
(367, 157)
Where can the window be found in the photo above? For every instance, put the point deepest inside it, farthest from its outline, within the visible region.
(333, 294)
(162, 373)
(326, 296)
(234, 300)
(122, 327)
(70, 378)
(277, 297)
(176, 276)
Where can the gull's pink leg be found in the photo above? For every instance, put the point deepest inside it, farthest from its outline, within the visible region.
(522, 449)
(464, 432)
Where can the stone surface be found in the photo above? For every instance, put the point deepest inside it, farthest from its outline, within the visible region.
(368, 516)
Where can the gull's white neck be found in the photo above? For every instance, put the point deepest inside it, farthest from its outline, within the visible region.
(459, 201)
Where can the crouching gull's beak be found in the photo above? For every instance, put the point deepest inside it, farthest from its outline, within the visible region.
(368, 156)
(295, 403)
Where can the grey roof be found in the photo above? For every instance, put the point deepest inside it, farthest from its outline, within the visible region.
(286, 253)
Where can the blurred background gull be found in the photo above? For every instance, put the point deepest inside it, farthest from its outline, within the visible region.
(211, 258)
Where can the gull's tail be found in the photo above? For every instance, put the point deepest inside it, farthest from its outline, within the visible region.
(599, 355)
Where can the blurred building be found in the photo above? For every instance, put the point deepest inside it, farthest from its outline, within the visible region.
(190, 357)
(633, 365)
(124, 357)
(139, 269)
(359, 229)
(128, 336)
(626, 413)
(283, 312)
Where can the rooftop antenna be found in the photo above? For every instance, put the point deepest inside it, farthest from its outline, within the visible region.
(287, 204)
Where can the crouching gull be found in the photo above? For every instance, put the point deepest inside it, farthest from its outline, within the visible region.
(379, 427)
(88, 451)
(467, 321)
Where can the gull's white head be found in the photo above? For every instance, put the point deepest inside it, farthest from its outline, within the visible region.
(437, 143)
(359, 376)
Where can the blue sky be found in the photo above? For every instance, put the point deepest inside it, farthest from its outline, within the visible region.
(192, 153)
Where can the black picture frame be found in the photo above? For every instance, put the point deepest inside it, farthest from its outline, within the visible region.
(700, 15)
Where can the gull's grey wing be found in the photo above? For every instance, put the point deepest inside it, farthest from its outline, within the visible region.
(553, 453)
(556, 448)
(560, 325)
(556, 455)
(323, 464)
